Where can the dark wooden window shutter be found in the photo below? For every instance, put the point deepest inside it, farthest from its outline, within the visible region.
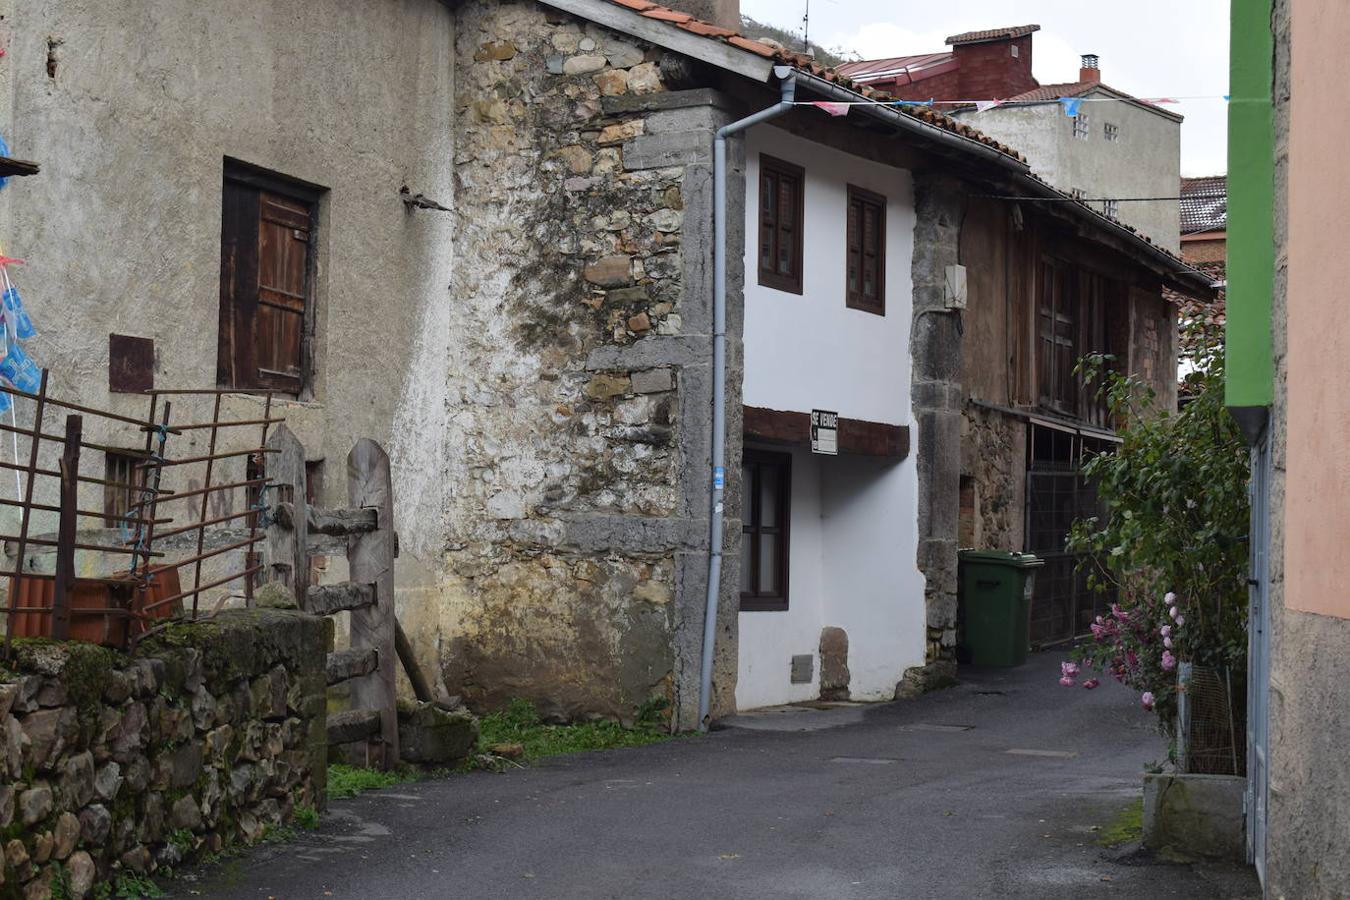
(781, 220)
(266, 261)
(865, 287)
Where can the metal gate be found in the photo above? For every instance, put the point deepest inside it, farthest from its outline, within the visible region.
(1258, 662)
(1062, 604)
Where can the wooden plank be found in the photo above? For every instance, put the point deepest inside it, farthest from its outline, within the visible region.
(421, 688)
(347, 664)
(288, 543)
(65, 535)
(341, 521)
(370, 559)
(326, 599)
(353, 725)
(857, 437)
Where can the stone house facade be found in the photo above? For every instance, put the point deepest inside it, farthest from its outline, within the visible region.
(537, 356)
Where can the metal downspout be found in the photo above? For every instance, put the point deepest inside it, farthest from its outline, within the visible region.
(787, 76)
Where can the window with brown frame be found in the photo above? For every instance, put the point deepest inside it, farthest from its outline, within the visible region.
(266, 274)
(123, 469)
(1075, 316)
(781, 213)
(866, 251)
(766, 482)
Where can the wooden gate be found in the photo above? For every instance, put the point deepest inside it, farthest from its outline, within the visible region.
(367, 524)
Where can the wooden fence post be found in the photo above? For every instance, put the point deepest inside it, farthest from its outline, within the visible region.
(287, 535)
(65, 534)
(370, 558)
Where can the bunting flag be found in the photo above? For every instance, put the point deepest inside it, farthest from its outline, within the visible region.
(1071, 105)
(985, 105)
(834, 109)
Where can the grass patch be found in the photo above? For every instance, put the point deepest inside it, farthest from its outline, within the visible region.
(307, 817)
(348, 781)
(519, 723)
(127, 886)
(1127, 826)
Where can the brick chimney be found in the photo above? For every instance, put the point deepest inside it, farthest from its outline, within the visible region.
(991, 65)
(1091, 69)
(726, 13)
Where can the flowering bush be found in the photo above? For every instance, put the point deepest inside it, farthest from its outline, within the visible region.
(1174, 542)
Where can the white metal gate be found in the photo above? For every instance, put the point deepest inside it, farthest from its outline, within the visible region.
(1258, 664)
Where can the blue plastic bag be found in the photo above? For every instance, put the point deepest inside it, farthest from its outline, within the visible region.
(4, 151)
(23, 326)
(21, 371)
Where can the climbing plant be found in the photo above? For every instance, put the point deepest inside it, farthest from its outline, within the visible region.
(1173, 540)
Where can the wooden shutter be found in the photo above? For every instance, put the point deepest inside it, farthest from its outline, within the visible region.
(781, 215)
(866, 251)
(766, 485)
(266, 250)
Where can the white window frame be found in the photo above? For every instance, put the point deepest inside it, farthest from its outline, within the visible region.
(1082, 128)
(1111, 131)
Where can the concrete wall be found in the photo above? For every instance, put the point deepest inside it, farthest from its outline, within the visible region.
(852, 519)
(122, 230)
(1144, 162)
(1309, 801)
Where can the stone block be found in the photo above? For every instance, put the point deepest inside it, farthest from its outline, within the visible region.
(185, 813)
(583, 65)
(76, 782)
(611, 82)
(1195, 815)
(500, 51)
(82, 873)
(653, 381)
(429, 735)
(660, 151)
(834, 674)
(36, 803)
(621, 132)
(66, 835)
(645, 79)
(610, 271)
(95, 824)
(606, 387)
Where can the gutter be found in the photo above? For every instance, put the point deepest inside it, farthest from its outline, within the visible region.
(787, 78)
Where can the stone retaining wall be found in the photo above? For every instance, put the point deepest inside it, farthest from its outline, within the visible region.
(204, 737)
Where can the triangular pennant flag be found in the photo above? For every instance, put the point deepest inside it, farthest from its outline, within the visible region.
(834, 109)
(1071, 105)
(983, 105)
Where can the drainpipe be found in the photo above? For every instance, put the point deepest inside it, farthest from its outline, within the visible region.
(787, 76)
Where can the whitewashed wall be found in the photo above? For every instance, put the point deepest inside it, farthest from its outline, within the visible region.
(854, 521)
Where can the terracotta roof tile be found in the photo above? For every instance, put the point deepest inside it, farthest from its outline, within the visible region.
(667, 15)
(993, 34)
(639, 5)
(753, 46)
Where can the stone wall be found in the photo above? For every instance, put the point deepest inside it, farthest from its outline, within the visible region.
(205, 736)
(937, 399)
(579, 379)
(993, 460)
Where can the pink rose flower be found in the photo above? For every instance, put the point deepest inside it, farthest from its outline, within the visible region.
(1170, 599)
(1165, 631)
(1147, 700)
(1181, 620)
(1169, 662)
(1091, 683)
(1172, 612)
(1068, 669)
(1067, 681)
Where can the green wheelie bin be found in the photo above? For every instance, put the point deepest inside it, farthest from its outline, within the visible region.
(996, 605)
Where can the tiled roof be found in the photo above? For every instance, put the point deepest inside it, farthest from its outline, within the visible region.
(1200, 320)
(916, 67)
(1204, 204)
(1047, 92)
(993, 34)
(803, 63)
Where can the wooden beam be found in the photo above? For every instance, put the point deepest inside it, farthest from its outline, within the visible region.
(345, 664)
(370, 559)
(341, 521)
(857, 437)
(326, 599)
(287, 552)
(421, 689)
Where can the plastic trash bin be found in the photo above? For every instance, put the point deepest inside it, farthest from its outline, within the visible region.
(996, 603)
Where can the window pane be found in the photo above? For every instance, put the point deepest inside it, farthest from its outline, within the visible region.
(747, 585)
(748, 493)
(768, 563)
(768, 496)
(768, 193)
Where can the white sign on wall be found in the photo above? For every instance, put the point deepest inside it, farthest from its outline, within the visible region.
(824, 432)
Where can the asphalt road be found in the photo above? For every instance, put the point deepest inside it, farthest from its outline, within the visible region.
(990, 789)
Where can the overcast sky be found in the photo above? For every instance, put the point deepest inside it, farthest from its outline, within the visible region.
(1149, 48)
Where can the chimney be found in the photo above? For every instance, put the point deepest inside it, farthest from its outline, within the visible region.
(726, 13)
(1091, 69)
